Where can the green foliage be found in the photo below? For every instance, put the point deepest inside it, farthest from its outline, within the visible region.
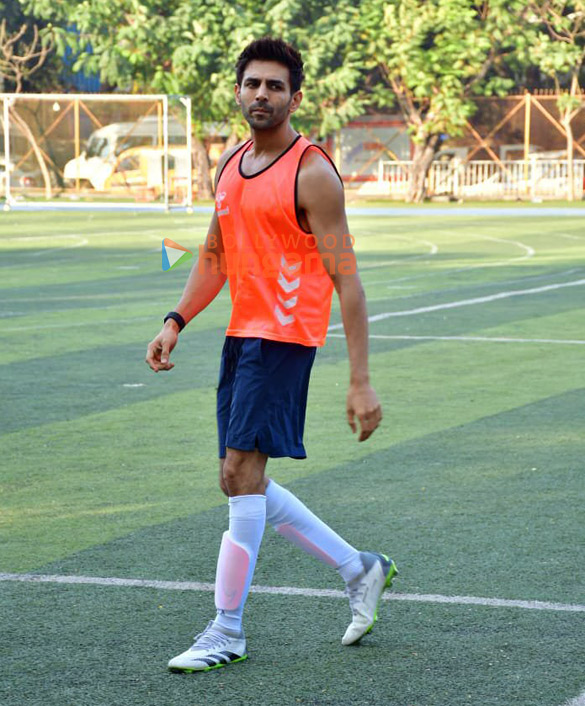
(325, 33)
(437, 55)
(191, 46)
(45, 75)
(559, 48)
(429, 57)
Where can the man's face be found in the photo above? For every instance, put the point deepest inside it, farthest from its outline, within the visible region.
(265, 96)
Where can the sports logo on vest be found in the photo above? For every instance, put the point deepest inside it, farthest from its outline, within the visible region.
(218, 201)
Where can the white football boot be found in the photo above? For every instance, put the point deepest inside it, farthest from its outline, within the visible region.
(212, 649)
(365, 592)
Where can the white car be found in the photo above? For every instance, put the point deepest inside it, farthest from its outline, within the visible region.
(96, 163)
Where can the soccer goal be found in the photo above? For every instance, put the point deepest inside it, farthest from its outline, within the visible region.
(95, 150)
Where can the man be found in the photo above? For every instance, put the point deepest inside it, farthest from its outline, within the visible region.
(279, 219)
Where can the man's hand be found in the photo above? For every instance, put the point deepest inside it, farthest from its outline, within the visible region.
(159, 349)
(362, 402)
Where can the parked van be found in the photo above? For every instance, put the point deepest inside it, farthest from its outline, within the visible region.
(95, 164)
(139, 171)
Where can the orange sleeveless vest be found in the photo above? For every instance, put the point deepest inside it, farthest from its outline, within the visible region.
(279, 287)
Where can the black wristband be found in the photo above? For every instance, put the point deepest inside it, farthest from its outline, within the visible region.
(175, 316)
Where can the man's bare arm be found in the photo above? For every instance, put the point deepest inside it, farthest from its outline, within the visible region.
(321, 201)
(204, 283)
(206, 278)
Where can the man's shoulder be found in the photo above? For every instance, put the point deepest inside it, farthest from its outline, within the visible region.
(226, 156)
(317, 174)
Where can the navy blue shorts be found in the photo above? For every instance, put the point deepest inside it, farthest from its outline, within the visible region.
(262, 396)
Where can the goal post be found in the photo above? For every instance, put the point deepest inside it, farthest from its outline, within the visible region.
(96, 150)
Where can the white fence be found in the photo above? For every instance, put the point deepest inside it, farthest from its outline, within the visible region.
(535, 179)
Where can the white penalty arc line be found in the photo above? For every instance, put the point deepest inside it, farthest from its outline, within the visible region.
(469, 302)
(577, 701)
(291, 591)
(482, 339)
(434, 249)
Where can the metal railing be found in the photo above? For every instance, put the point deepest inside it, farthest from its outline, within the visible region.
(486, 179)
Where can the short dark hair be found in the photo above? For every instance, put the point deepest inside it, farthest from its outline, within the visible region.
(272, 49)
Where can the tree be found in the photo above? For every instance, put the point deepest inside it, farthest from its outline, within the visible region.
(191, 46)
(20, 58)
(436, 56)
(23, 51)
(325, 33)
(559, 51)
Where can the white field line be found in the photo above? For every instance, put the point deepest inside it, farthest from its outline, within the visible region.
(476, 285)
(81, 242)
(84, 240)
(434, 249)
(528, 253)
(577, 701)
(291, 591)
(32, 238)
(82, 297)
(528, 250)
(570, 237)
(484, 339)
(469, 302)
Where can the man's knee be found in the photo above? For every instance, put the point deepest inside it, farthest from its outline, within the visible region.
(233, 472)
(222, 483)
(243, 472)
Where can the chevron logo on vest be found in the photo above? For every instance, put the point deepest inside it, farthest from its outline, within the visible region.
(287, 286)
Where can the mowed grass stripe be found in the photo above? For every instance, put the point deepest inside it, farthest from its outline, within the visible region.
(323, 424)
(435, 654)
(60, 378)
(388, 234)
(484, 507)
(224, 306)
(93, 470)
(471, 510)
(136, 293)
(101, 327)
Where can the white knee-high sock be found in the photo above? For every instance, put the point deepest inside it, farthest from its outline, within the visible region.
(290, 518)
(237, 559)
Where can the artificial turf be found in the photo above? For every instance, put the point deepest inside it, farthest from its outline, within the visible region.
(474, 482)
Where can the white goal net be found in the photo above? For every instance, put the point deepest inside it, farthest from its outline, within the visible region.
(74, 150)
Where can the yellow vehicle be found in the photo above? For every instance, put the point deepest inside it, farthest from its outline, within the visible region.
(139, 171)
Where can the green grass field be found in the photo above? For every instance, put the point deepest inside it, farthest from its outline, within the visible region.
(474, 483)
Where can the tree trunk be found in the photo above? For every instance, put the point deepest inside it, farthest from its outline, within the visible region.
(424, 153)
(202, 175)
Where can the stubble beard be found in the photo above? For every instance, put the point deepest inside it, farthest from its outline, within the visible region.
(266, 122)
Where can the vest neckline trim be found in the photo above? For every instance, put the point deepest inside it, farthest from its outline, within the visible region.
(274, 161)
